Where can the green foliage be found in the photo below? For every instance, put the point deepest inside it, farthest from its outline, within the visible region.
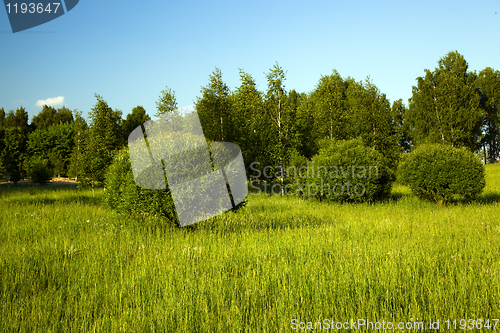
(123, 195)
(2, 150)
(95, 160)
(214, 108)
(441, 173)
(51, 116)
(39, 170)
(13, 138)
(489, 84)
(445, 106)
(14, 151)
(248, 123)
(105, 125)
(2, 171)
(54, 143)
(306, 127)
(136, 118)
(370, 117)
(58, 164)
(296, 163)
(345, 171)
(330, 107)
(103, 139)
(280, 110)
(2, 118)
(77, 159)
(400, 127)
(10, 167)
(167, 103)
(344, 109)
(17, 119)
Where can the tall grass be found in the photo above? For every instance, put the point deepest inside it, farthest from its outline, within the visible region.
(68, 264)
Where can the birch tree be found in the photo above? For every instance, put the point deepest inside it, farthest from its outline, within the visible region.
(445, 105)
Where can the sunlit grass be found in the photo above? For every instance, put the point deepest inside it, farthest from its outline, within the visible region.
(69, 264)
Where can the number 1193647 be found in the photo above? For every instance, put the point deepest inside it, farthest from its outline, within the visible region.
(32, 8)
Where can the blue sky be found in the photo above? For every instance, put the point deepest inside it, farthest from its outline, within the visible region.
(128, 51)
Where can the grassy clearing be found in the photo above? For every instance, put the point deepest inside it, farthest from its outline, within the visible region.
(68, 264)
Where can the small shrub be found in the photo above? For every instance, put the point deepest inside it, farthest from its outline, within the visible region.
(123, 195)
(440, 172)
(39, 170)
(346, 171)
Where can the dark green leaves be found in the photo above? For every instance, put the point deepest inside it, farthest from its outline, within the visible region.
(441, 173)
(445, 106)
(214, 109)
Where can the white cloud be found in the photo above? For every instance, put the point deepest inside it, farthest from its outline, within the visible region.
(51, 101)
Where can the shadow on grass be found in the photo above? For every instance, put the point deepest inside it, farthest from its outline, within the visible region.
(32, 194)
(484, 199)
(397, 196)
(487, 198)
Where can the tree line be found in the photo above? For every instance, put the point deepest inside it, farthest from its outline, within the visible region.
(450, 105)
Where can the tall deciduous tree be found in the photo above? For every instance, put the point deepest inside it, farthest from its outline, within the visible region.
(445, 106)
(330, 107)
(136, 118)
(104, 139)
(489, 85)
(2, 144)
(17, 119)
(49, 116)
(344, 109)
(2, 118)
(105, 125)
(15, 136)
(292, 103)
(401, 129)
(370, 118)
(306, 130)
(167, 103)
(281, 116)
(77, 156)
(54, 144)
(14, 153)
(248, 121)
(214, 109)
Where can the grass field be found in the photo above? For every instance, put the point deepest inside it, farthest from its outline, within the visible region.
(69, 264)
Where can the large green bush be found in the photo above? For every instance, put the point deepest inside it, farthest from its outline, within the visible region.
(123, 195)
(345, 171)
(441, 172)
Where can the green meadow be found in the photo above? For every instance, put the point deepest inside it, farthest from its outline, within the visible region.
(69, 264)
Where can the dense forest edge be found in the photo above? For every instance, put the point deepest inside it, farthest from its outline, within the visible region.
(274, 128)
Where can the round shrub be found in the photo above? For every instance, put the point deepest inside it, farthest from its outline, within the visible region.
(39, 170)
(346, 171)
(123, 195)
(441, 172)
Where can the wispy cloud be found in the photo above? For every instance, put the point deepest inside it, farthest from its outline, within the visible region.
(55, 101)
(19, 102)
